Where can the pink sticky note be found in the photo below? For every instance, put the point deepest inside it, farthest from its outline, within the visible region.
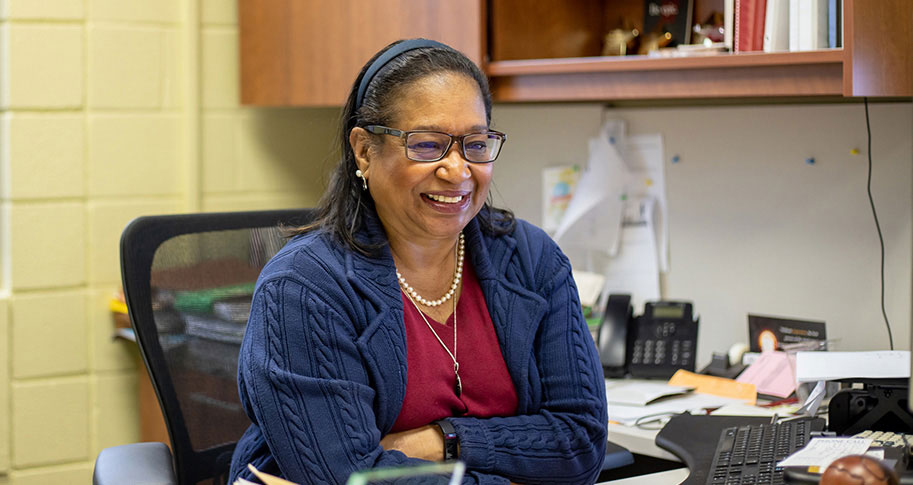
(774, 374)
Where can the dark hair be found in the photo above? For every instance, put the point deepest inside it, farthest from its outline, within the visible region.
(345, 205)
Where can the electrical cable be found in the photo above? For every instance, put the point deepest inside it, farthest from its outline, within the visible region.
(868, 129)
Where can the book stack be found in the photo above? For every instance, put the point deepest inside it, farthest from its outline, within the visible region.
(785, 25)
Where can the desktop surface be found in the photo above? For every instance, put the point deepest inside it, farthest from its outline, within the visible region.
(690, 439)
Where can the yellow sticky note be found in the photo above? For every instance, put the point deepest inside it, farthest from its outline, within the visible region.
(717, 386)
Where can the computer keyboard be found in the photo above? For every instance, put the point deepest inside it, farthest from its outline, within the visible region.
(748, 454)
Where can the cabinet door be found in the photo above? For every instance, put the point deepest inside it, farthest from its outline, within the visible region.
(308, 52)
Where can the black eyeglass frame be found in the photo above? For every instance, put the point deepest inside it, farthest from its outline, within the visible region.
(402, 135)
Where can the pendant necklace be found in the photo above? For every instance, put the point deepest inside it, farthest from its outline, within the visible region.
(412, 296)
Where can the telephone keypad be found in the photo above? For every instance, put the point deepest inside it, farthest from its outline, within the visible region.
(663, 347)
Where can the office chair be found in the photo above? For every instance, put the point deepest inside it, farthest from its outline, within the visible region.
(188, 281)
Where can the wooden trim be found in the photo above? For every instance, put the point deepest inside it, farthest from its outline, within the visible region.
(642, 63)
(775, 80)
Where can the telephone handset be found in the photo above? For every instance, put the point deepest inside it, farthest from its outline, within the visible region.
(655, 344)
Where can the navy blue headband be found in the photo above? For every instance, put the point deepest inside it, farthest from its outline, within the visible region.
(387, 56)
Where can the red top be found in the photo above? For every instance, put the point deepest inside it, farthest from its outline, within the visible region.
(487, 388)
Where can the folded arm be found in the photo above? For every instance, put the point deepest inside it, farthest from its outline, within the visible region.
(564, 439)
(304, 384)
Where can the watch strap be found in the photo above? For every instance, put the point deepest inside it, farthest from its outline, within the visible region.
(451, 440)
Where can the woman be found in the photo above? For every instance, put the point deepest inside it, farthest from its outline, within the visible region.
(411, 309)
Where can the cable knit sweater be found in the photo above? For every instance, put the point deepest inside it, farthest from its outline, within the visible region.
(322, 371)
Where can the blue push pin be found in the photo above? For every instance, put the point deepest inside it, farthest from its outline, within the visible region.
(612, 140)
(810, 161)
(675, 159)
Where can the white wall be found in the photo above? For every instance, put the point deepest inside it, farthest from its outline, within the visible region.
(753, 227)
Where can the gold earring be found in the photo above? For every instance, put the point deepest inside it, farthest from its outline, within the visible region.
(364, 181)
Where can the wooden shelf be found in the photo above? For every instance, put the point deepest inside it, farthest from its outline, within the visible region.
(753, 74)
(875, 61)
(644, 63)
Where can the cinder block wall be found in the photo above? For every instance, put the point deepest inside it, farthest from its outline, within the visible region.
(111, 109)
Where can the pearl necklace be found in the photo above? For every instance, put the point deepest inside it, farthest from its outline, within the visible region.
(412, 295)
(457, 275)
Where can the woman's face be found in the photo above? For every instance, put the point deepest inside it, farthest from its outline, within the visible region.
(417, 201)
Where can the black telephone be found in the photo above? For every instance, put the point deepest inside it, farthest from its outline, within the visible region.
(653, 345)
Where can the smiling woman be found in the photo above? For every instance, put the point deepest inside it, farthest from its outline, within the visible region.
(413, 321)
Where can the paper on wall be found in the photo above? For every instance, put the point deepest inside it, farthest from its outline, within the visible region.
(635, 269)
(643, 155)
(615, 223)
(593, 216)
(558, 186)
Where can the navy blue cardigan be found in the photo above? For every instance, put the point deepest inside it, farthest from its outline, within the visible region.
(322, 371)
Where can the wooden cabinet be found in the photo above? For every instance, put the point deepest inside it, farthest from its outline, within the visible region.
(876, 60)
(307, 53)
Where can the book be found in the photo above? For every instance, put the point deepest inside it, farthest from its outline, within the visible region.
(672, 16)
(794, 25)
(750, 16)
(834, 24)
(729, 24)
(813, 28)
(808, 23)
(776, 26)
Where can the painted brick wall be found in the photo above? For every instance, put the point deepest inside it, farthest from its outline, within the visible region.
(94, 98)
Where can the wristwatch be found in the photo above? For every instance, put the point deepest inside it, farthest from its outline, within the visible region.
(451, 441)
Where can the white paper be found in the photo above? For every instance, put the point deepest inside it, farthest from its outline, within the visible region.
(593, 216)
(643, 155)
(742, 409)
(641, 393)
(634, 269)
(828, 366)
(821, 452)
(616, 223)
(813, 402)
(696, 403)
(589, 286)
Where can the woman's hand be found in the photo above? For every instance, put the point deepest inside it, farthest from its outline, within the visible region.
(425, 442)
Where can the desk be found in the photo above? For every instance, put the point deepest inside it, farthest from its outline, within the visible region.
(641, 441)
(671, 477)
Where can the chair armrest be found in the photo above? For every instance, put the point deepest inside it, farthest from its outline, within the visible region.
(616, 457)
(135, 463)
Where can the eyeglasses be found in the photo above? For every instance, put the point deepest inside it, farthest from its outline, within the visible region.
(431, 146)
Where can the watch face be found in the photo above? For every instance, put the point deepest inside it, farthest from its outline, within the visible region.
(450, 473)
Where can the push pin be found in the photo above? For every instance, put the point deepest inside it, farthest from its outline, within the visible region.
(675, 159)
(854, 151)
(810, 161)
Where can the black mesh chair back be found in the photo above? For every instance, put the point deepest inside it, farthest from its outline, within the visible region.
(188, 281)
